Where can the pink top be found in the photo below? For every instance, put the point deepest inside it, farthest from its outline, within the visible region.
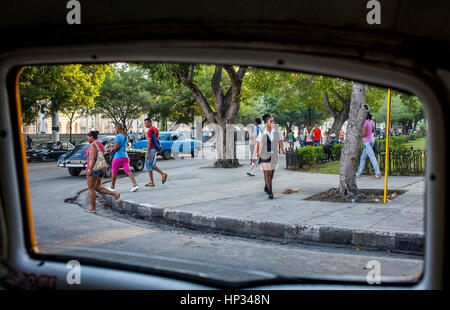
(101, 148)
(368, 124)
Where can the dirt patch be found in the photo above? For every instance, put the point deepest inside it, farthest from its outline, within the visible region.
(367, 196)
(290, 191)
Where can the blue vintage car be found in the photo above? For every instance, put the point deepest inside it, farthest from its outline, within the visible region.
(173, 143)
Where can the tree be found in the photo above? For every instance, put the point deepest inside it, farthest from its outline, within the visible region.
(64, 87)
(177, 105)
(286, 116)
(406, 110)
(209, 85)
(123, 95)
(73, 112)
(352, 146)
(326, 96)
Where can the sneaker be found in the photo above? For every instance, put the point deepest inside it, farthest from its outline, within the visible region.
(250, 174)
(135, 188)
(164, 178)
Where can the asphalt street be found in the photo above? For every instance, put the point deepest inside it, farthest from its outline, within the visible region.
(64, 227)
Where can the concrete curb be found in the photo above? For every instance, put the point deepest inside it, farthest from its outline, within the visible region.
(393, 241)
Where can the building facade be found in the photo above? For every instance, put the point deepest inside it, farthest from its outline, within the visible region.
(81, 125)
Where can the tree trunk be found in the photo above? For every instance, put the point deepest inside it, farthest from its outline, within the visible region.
(225, 147)
(352, 146)
(338, 122)
(70, 130)
(227, 107)
(55, 127)
(339, 117)
(309, 117)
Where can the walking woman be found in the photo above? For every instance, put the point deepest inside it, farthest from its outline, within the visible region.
(368, 131)
(309, 137)
(93, 174)
(267, 145)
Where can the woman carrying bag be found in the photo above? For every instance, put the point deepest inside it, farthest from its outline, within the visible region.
(95, 170)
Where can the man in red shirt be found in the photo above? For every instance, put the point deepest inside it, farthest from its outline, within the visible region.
(317, 135)
(150, 157)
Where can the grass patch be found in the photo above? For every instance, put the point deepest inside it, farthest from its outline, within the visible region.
(419, 144)
(331, 167)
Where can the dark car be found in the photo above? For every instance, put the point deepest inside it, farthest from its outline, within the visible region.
(47, 151)
(76, 160)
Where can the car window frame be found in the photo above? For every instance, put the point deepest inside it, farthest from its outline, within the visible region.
(428, 93)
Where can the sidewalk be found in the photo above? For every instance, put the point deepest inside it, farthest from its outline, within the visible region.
(228, 200)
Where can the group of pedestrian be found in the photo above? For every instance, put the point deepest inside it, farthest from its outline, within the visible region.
(307, 136)
(311, 137)
(96, 163)
(266, 143)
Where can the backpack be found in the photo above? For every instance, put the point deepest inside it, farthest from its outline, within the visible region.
(156, 142)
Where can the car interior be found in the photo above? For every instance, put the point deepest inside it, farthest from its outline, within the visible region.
(407, 52)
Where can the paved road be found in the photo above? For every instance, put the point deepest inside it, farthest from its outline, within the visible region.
(64, 228)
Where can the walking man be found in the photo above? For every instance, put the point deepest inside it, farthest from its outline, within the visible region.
(29, 142)
(368, 148)
(131, 137)
(317, 135)
(301, 138)
(252, 142)
(150, 157)
(121, 158)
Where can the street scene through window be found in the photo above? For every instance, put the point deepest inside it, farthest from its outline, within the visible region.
(231, 173)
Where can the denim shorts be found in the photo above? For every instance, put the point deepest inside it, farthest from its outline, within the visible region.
(150, 163)
(98, 174)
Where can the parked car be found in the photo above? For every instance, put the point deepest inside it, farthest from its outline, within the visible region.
(173, 143)
(207, 135)
(76, 161)
(47, 151)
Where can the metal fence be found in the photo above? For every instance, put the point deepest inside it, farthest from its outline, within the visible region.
(401, 162)
(292, 159)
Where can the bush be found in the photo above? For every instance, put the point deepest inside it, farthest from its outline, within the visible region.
(413, 136)
(395, 144)
(310, 155)
(336, 150)
(422, 130)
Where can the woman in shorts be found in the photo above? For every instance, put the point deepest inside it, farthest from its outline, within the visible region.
(267, 144)
(95, 178)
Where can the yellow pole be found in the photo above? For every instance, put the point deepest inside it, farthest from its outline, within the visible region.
(388, 129)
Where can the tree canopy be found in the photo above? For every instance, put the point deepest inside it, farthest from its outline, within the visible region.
(64, 87)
